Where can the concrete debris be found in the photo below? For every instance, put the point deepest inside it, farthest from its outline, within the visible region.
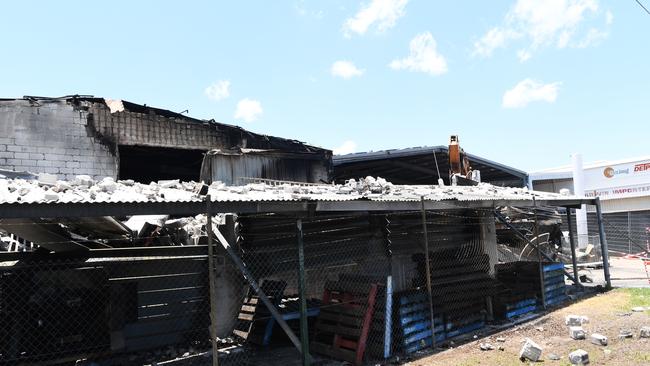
(576, 320)
(644, 332)
(84, 189)
(501, 339)
(553, 357)
(47, 179)
(486, 347)
(576, 332)
(625, 333)
(639, 309)
(579, 357)
(598, 339)
(530, 350)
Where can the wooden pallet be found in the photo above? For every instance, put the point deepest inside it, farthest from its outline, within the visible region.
(344, 321)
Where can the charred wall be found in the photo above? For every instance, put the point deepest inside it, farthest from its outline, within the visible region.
(51, 136)
(84, 135)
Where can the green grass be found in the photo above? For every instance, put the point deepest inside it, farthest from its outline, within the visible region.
(641, 356)
(638, 297)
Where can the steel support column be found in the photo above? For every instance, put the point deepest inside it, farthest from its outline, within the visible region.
(304, 328)
(212, 284)
(572, 241)
(428, 270)
(603, 244)
(539, 256)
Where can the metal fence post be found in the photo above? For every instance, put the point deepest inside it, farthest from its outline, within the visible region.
(539, 256)
(304, 329)
(572, 241)
(212, 285)
(603, 244)
(428, 270)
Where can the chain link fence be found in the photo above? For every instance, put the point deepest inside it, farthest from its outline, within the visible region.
(369, 287)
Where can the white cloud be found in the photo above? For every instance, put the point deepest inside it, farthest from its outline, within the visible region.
(527, 91)
(609, 17)
(423, 57)
(345, 70)
(382, 12)
(548, 23)
(495, 38)
(593, 37)
(248, 110)
(348, 147)
(218, 90)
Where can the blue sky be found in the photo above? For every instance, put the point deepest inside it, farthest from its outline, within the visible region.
(523, 82)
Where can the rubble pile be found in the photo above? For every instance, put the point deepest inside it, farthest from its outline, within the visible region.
(84, 189)
(47, 188)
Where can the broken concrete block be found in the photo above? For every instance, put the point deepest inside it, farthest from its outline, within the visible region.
(579, 357)
(625, 333)
(47, 179)
(51, 196)
(501, 339)
(576, 332)
(486, 347)
(638, 309)
(62, 185)
(598, 339)
(107, 185)
(644, 332)
(530, 350)
(576, 320)
(83, 180)
(171, 183)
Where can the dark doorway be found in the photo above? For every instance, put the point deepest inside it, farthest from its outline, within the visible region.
(146, 164)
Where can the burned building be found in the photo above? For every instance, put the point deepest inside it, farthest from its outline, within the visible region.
(420, 165)
(74, 135)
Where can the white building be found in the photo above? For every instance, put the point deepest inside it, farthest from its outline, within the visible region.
(624, 189)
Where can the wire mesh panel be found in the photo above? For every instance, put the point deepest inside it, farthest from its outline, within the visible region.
(355, 287)
(104, 310)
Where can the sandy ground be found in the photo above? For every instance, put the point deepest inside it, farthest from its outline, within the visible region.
(608, 313)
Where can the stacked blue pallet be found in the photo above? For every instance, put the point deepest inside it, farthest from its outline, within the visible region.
(415, 322)
(520, 308)
(554, 286)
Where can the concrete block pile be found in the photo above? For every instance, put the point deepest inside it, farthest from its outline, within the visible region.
(83, 188)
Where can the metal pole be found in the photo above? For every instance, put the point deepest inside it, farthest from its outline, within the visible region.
(258, 290)
(539, 256)
(572, 241)
(304, 329)
(603, 244)
(428, 270)
(516, 231)
(212, 284)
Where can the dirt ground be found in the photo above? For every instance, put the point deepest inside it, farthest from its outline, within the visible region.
(608, 314)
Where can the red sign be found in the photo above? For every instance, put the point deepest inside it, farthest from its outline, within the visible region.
(642, 167)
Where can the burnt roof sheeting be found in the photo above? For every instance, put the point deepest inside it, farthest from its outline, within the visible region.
(416, 165)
